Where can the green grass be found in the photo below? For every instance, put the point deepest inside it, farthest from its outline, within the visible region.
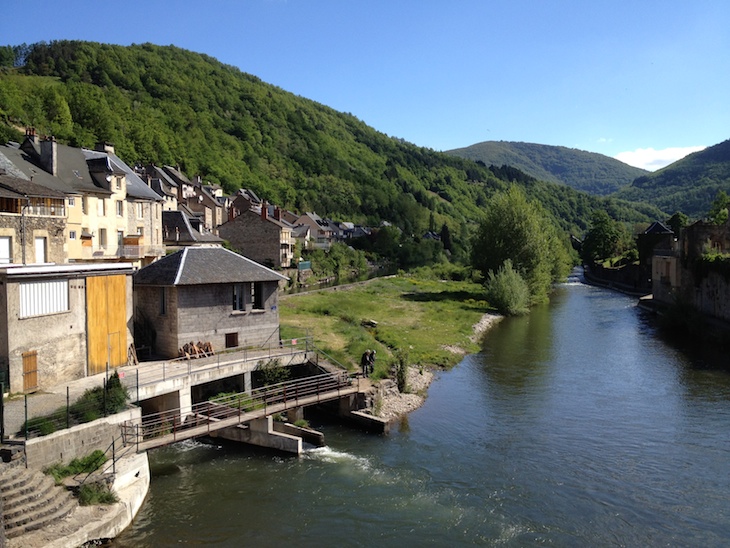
(86, 465)
(414, 314)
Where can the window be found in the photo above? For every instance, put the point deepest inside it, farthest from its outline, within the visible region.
(140, 230)
(120, 238)
(257, 295)
(119, 183)
(239, 297)
(231, 340)
(6, 245)
(120, 208)
(40, 250)
(100, 207)
(163, 301)
(140, 210)
(102, 237)
(72, 202)
(71, 234)
(41, 298)
(84, 205)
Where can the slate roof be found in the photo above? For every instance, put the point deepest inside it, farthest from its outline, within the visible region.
(204, 266)
(657, 227)
(28, 188)
(136, 187)
(185, 233)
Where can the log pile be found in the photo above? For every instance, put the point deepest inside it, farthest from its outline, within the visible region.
(200, 350)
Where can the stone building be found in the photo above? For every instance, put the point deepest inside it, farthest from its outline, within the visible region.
(63, 322)
(32, 222)
(261, 237)
(206, 294)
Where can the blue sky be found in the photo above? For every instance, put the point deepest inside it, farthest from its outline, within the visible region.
(642, 80)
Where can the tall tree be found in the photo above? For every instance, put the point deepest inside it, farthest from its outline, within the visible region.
(520, 231)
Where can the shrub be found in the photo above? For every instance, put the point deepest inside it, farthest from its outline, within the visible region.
(96, 493)
(507, 291)
(401, 371)
(86, 465)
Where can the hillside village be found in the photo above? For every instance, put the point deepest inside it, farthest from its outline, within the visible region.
(136, 256)
(77, 225)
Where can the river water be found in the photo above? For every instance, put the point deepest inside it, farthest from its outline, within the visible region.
(575, 426)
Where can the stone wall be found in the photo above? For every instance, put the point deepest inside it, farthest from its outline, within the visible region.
(256, 238)
(50, 228)
(77, 442)
(59, 339)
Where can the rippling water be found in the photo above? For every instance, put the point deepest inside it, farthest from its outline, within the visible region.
(575, 426)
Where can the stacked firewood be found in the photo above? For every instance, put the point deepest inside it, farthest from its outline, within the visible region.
(200, 350)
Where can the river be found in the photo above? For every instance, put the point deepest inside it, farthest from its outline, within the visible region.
(575, 426)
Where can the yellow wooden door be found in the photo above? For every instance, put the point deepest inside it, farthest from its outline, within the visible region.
(30, 370)
(106, 305)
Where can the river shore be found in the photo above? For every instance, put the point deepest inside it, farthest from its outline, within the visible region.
(394, 404)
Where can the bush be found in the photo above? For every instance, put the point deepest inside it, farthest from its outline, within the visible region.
(96, 493)
(401, 371)
(86, 465)
(507, 291)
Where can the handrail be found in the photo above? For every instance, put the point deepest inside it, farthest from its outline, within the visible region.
(207, 413)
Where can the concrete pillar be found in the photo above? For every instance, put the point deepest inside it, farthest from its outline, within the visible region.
(247, 382)
(186, 402)
(295, 414)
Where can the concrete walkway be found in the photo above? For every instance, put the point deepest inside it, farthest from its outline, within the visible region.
(47, 401)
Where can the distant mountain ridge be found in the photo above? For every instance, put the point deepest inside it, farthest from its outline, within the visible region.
(688, 185)
(587, 171)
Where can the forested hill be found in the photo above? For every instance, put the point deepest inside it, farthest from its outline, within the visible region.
(588, 171)
(166, 105)
(689, 185)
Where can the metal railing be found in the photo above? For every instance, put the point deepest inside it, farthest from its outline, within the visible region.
(182, 423)
(287, 352)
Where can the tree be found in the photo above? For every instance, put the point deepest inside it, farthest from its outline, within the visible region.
(507, 291)
(677, 222)
(605, 239)
(520, 231)
(719, 209)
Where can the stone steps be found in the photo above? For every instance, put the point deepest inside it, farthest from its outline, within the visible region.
(31, 500)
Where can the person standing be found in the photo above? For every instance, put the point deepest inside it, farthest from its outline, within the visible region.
(365, 363)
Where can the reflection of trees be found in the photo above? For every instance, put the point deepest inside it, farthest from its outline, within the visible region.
(516, 352)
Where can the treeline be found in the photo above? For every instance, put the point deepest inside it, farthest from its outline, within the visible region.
(170, 106)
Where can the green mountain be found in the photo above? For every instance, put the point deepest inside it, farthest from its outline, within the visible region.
(588, 171)
(166, 105)
(688, 185)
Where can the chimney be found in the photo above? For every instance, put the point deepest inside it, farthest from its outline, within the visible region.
(277, 213)
(31, 135)
(105, 147)
(49, 155)
(264, 211)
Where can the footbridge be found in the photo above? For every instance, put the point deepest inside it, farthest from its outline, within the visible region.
(245, 410)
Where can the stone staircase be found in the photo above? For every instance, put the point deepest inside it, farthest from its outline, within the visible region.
(31, 500)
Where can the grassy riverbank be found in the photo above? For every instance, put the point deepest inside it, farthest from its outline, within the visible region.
(430, 320)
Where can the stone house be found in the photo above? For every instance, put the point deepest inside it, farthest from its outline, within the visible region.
(178, 231)
(678, 271)
(206, 294)
(63, 322)
(265, 239)
(32, 222)
(112, 214)
(322, 233)
(199, 200)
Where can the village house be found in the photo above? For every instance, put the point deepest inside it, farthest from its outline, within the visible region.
(322, 233)
(32, 222)
(179, 230)
(164, 185)
(680, 273)
(199, 200)
(208, 295)
(261, 236)
(63, 322)
(111, 214)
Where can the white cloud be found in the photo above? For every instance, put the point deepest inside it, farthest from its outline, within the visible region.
(651, 160)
